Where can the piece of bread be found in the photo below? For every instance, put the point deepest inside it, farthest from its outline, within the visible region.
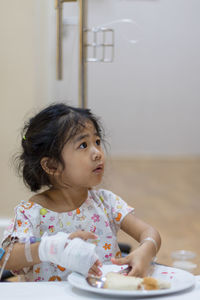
(117, 281)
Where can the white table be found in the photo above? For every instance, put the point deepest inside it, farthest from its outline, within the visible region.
(63, 291)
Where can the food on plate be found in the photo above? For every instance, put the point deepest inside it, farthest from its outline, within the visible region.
(117, 281)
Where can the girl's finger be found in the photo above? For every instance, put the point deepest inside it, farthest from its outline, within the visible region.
(98, 263)
(75, 234)
(94, 270)
(90, 235)
(85, 235)
(120, 261)
(135, 272)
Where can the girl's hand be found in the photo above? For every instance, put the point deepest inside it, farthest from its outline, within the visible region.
(139, 260)
(84, 235)
(74, 254)
(94, 270)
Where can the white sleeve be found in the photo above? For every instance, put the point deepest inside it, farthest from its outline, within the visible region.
(116, 208)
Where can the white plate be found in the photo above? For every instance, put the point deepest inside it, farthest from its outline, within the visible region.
(180, 280)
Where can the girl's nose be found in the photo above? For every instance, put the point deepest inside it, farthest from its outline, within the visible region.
(96, 155)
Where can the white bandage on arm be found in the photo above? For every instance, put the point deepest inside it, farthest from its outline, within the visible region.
(79, 256)
(52, 246)
(75, 255)
(27, 249)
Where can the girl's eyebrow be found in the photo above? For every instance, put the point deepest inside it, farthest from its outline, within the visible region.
(80, 137)
(83, 136)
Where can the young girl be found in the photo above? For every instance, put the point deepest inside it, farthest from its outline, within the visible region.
(70, 226)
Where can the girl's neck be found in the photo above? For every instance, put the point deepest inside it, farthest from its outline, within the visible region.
(62, 200)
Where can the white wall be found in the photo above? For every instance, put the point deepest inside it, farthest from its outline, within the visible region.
(149, 96)
(23, 84)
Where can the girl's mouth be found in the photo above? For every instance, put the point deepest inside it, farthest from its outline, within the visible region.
(98, 169)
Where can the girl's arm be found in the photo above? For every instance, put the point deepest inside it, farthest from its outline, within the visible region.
(142, 256)
(139, 230)
(17, 259)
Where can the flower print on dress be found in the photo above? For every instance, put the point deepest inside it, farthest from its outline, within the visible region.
(107, 246)
(55, 278)
(95, 218)
(109, 236)
(62, 269)
(108, 255)
(105, 211)
(43, 212)
(93, 228)
(118, 254)
(39, 279)
(104, 202)
(101, 198)
(37, 270)
(60, 222)
(26, 230)
(51, 228)
(28, 205)
(19, 223)
(119, 206)
(118, 218)
(107, 223)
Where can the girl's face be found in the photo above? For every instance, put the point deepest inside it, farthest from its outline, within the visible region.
(83, 158)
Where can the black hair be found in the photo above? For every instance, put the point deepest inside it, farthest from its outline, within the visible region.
(45, 136)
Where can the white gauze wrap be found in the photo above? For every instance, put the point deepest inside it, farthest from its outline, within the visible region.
(75, 255)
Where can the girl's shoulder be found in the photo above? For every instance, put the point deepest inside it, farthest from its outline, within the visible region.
(105, 195)
(33, 205)
(36, 202)
(39, 199)
(27, 210)
(109, 198)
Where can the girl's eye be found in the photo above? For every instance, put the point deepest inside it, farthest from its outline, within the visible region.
(98, 142)
(83, 145)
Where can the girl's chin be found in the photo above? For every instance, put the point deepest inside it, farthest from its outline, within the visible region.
(95, 184)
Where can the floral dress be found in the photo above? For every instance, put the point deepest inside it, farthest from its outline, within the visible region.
(101, 213)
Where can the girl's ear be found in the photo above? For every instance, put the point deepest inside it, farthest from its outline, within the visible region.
(49, 166)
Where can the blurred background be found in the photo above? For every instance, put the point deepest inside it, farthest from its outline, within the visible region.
(142, 78)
